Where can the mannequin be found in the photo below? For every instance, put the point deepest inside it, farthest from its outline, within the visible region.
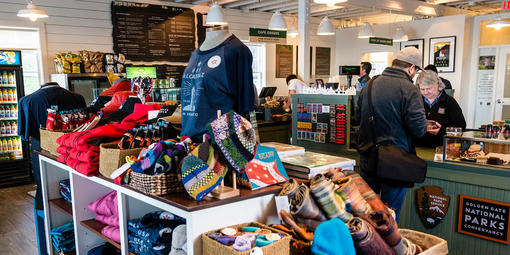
(214, 36)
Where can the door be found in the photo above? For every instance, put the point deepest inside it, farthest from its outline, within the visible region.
(502, 110)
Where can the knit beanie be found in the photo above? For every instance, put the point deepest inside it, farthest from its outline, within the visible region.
(234, 136)
(202, 171)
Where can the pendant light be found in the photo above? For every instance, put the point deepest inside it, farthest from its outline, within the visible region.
(498, 23)
(325, 27)
(32, 12)
(215, 16)
(400, 36)
(277, 22)
(365, 31)
(293, 32)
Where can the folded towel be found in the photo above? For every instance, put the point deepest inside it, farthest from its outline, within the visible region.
(289, 188)
(366, 192)
(303, 205)
(387, 228)
(323, 191)
(358, 204)
(366, 240)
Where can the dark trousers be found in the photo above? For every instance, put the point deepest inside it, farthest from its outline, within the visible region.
(38, 201)
(394, 196)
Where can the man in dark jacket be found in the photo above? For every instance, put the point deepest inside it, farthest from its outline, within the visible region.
(399, 115)
(364, 73)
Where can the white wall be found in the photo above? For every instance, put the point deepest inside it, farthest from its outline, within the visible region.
(76, 25)
(349, 48)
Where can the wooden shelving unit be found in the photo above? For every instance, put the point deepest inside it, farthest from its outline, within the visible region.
(63, 206)
(95, 227)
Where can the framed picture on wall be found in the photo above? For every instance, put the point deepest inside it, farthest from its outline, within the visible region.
(442, 53)
(417, 43)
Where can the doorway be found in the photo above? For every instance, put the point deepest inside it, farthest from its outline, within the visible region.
(502, 79)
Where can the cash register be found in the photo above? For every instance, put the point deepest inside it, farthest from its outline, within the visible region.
(264, 93)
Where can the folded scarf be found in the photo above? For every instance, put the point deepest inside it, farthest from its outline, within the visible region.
(334, 174)
(303, 205)
(387, 228)
(358, 204)
(62, 237)
(87, 168)
(88, 155)
(366, 192)
(323, 191)
(366, 240)
(111, 232)
(289, 188)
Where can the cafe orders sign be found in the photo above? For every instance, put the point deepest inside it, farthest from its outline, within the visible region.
(484, 218)
(267, 36)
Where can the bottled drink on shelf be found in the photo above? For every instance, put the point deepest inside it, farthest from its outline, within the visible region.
(2, 111)
(5, 95)
(19, 142)
(11, 80)
(3, 129)
(5, 78)
(9, 144)
(14, 112)
(14, 127)
(14, 96)
(4, 144)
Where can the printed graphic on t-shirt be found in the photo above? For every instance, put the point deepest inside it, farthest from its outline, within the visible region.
(191, 89)
(214, 61)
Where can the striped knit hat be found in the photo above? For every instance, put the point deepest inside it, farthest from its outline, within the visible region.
(202, 171)
(234, 136)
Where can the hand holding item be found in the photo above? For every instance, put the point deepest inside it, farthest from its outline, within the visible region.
(433, 127)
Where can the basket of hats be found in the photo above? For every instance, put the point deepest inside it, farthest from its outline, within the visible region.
(49, 139)
(245, 238)
(155, 172)
(112, 157)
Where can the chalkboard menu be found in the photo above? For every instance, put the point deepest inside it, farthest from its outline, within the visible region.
(146, 32)
(284, 63)
(322, 61)
(484, 218)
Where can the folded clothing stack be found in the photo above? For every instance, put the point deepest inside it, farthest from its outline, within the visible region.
(106, 208)
(80, 150)
(104, 249)
(157, 233)
(65, 190)
(62, 238)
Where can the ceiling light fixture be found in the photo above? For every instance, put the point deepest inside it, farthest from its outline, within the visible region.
(329, 2)
(365, 31)
(325, 27)
(293, 32)
(277, 22)
(498, 23)
(32, 12)
(215, 16)
(400, 36)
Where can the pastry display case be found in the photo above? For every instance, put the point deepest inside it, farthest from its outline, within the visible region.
(477, 148)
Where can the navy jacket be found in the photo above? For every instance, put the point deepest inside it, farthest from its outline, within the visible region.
(398, 109)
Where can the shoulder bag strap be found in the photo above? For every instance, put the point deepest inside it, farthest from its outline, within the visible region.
(371, 119)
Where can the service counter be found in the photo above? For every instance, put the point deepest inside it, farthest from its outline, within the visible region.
(274, 131)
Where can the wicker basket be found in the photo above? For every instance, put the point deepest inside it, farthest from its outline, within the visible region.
(156, 184)
(49, 140)
(432, 245)
(111, 157)
(212, 247)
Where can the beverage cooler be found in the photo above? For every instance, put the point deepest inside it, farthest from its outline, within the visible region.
(89, 85)
(14, 155)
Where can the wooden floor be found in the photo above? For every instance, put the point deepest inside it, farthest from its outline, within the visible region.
(17, 227)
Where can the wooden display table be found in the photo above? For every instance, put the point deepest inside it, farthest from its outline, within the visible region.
(200, 216)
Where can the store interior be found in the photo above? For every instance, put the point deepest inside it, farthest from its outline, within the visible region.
(240, 126)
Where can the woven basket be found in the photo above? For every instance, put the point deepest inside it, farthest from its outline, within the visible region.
(432, 245)
(212, 247)
(49, 140)
(156, 184)
(111, 157)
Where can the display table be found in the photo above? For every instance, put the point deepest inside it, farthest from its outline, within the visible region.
(486, 182)
(200, 216)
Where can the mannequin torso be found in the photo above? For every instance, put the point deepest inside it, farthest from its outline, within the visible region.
(214, 37)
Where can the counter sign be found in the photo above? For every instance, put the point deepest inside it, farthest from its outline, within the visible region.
(484, 218)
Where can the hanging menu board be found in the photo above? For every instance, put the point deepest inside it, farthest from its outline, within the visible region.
(322, 61)
(146, 32)
(284, 63)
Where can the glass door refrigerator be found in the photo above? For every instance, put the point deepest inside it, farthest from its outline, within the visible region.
(14, 156)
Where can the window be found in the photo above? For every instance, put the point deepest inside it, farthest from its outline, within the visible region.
(258, 50)
(26, 40)
(379, 61)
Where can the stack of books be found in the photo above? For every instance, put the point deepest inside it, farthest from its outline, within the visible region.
(285, 150)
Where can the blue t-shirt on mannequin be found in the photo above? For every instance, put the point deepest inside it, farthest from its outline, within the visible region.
(220, 78)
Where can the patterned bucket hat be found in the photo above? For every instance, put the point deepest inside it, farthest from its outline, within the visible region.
(234, 136)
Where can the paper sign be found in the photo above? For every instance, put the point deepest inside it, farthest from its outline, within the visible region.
(282, 203)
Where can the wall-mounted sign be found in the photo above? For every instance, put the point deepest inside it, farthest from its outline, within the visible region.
(284, 63)
(432, 205)
(267, 36)
(484, 218)
(147, 32)
(140, 71)
(380, 40)
(322, 61)
(10, 57)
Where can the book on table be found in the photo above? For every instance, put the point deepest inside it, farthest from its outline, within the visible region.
(311, 163)
(285, 150)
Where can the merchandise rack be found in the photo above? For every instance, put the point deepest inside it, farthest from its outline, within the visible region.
(256, 206)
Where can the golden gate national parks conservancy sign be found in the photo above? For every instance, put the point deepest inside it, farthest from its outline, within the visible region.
(484, 218)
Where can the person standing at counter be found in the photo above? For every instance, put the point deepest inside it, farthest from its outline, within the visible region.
(295, 86)
(446, 82)
(439, 107)
(399, 115)
(364, 73)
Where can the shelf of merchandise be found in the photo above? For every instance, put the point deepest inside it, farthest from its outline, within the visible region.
(8, 86)
(95, 227)
(8, 135)
(63, 206)
(9, 151)
(11, 118)
(8, 102)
